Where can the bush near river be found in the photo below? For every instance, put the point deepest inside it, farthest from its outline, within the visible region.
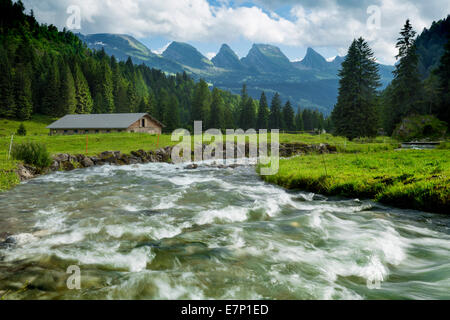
(414, 179)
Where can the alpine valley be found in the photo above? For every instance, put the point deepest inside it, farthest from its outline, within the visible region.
(309, 83)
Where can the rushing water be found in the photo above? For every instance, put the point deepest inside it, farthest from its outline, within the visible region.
(159, 231)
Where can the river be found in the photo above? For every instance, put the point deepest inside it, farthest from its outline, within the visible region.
(159, 231)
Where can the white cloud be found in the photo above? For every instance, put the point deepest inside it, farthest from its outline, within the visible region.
(324, 23)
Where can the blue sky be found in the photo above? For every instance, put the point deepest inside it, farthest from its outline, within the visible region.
(328, 26)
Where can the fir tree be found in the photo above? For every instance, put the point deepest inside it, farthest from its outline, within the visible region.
(163, 105)
(288, 117)
(355, 112)
(21, 131)
(406, 94)
(23, 94)
(275, 112)
(51, 94)
(172, 116)
(217, 112)
(83, 95)
(443, 75)
(106, 87)
(68, 93)
(201, 102)
(299, 121)
(263, 113)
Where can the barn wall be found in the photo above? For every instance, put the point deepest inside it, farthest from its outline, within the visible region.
(150, 126)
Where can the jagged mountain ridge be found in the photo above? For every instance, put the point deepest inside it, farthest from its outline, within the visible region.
(311, 83)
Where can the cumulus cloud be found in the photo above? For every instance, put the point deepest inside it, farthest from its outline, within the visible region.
(325, 23)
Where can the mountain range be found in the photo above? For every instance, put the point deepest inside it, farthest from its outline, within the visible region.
(310, 83)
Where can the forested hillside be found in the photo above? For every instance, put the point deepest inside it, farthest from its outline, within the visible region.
(51, 72)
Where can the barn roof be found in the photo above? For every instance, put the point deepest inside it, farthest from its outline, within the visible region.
(99, 121)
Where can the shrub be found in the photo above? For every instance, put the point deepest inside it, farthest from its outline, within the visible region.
(32, 153)
(21, 131)
(420, 127)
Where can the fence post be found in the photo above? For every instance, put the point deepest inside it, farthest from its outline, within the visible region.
(10, 146)
(87, 141)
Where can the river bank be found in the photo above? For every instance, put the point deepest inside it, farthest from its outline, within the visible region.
(411, 179)
(68, 162)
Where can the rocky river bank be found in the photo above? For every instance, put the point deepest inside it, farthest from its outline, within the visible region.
(68, 162)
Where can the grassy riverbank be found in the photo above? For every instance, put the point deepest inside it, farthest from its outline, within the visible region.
(416, 179)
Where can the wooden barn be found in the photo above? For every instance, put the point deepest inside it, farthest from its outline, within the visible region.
(105, 123)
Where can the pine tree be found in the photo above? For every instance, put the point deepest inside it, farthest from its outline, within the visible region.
(307, 120)
(51, 93)
(201, 103)
(83, 95)
(172, 114)
(243, 113)
(23, 94)
(121, 100)
(275, 112)
(443, 74)
(106, 87)
(68, 93)
(163, 105)
(299, 121)
(217, 112)
(248, 115)
(288, 117)
(355, 112)
(21, 131)
(406, 94)
(263, 113)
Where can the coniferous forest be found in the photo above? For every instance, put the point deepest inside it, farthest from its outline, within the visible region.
(50, 72)
(361, 110)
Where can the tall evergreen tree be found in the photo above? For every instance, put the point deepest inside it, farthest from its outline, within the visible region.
(7, 103)
(275, 112)
(299, 121)
(355, 112)
(288, 117)
(121, 100)
(106, 87)
(83, 95)
(68, 101)
(263, 113)
(217, 112)
(23, 95)
(172, 114)
(201, 103)
(243, 108)
(406, 94)
(51, 94)
(443, 74)
(163, 104)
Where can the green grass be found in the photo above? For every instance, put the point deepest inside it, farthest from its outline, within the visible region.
(35, 126)
(416, 179)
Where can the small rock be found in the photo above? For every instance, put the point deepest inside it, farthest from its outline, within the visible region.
(20, 239)
(61, 157)
(87, 162)
(24, 172)
(54, 166)
(191, 166)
